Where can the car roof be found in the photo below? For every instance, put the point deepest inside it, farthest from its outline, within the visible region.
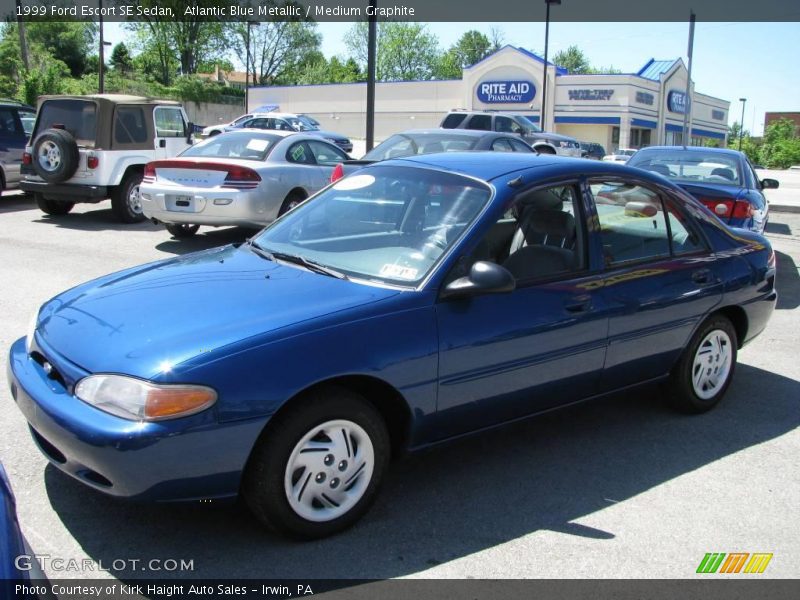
(703, 149)
(491, 165)
(467, 133)
(16, 104)
(111, 98)
(277, 132)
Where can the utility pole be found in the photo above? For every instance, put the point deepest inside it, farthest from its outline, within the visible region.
(543, 117)
(687, 116)
(102, 65)
(372, 43)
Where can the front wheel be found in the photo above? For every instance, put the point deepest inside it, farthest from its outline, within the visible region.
(705, 370)
(53, 207)
(182, 230)
(318, 466)
(125, 200)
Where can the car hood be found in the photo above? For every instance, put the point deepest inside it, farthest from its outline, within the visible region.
(546, 135)
(136, 320)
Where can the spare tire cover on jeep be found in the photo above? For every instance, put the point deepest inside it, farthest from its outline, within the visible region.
(55, 155)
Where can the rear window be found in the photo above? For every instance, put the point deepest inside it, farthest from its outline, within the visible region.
(453, 120)
(129, 125)
(690, 166)
(247, 145)
(79, 117)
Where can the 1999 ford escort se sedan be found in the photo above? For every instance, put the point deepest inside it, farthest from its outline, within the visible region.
(415, 301)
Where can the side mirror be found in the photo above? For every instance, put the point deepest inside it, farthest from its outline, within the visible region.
(770, 184)
(484, 278)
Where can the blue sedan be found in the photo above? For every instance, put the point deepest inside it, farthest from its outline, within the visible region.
(722, 179)
(413, 302)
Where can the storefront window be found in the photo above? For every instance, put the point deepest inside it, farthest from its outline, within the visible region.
(640, 138)
(615, 135)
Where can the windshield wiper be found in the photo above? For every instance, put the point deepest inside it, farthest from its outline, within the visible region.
(297, 260)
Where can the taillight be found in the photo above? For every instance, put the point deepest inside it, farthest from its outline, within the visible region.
(338, 173)
(149, 173)
(241, 178)
(92, 161)
(728, 208)
(26, 158)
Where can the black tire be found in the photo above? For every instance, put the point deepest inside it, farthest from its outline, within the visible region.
(213, 133)
(682, 390)
(182, 230)
(292, 200)
(62, 150)
(126, 208)
(53, 207)
(263, 482)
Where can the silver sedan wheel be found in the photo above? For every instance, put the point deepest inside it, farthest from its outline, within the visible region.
(135, 200)
(49, 156)
(329, 470)
(712, 364)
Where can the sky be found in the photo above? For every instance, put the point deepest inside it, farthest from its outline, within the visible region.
(757, 61)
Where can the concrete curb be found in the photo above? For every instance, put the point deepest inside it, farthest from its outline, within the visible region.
(784, 208)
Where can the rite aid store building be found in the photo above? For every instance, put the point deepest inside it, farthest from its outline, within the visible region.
(629, 110)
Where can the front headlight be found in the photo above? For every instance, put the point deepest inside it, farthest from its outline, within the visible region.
(140, 400)
(31, 331)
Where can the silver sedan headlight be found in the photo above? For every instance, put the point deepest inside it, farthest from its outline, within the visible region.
(140, 400)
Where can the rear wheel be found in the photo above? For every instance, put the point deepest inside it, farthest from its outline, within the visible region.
(292, 200)
(182, 230)
(53, 207)
(319, 465)
(705, 370)
(125, 200)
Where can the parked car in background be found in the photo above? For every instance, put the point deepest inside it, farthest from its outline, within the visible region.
(414, 302)
(13, 138)
(213, 130)
(427, 141)
(293, 122)
(722, 179)
(513, 123)
(620, 156)
(246, 177)
(89, 148)
(592, 150)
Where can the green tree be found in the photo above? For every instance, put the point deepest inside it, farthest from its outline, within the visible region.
(121, 59)
(573, 59)
(68, 41)
(406, 51)
(279, 50)
(471, 47)
(781, 147)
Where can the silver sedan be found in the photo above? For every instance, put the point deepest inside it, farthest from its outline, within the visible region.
(247, 178)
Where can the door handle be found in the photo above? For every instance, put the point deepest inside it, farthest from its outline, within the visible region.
(579, 304)
(702, 277)
(162, 143)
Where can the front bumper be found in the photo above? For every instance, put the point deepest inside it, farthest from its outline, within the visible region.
(186, 459)
(68, 192)
(245, 209)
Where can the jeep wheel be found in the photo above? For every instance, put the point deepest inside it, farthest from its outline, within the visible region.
(53, 207)
(55, 155)
(125, 200)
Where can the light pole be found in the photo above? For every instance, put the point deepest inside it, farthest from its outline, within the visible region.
(247, 67)
(546, 42)
(101, 78)
(372, 45)
(741, 123)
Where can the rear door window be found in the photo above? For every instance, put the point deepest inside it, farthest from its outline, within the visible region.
(300, 153)
(520, 146)
(481, 122)
(78, 117)
(502, 145)
(129, 125)
(453, 120)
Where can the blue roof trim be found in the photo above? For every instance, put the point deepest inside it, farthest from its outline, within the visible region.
(588, 120)
(644, 123)
(653, 69)
(676, 128)
(707, 133)
(528, 53)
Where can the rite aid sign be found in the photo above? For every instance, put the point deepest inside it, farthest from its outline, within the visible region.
(676, 102)
(506, 92)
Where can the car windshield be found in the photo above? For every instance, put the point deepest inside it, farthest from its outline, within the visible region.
(409, 144)
(248, 145)
(528, 123)
(386, 224)
(241, 119)
(690, 166)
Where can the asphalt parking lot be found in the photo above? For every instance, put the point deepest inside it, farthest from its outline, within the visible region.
(620, 488)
